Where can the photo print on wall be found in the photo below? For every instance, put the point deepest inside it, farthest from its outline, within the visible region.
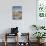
(17, 12)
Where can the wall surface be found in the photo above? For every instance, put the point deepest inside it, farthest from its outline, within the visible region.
(28, 15)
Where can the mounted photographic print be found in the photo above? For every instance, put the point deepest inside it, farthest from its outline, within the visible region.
(17, 12)
(41, 12)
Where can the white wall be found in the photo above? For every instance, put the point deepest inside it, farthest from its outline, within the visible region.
(28, 16)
